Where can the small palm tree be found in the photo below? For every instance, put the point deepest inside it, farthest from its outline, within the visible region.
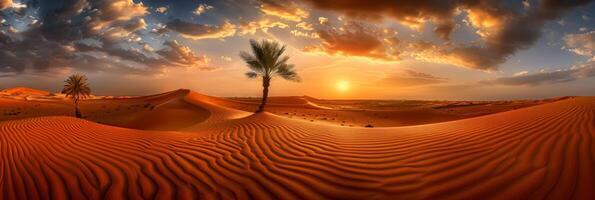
(76, 88)
(266, 61)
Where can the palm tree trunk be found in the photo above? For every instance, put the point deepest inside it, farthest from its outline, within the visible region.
(265, 93)
(77, 113)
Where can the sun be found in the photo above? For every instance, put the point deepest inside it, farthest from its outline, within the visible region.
(342, 86)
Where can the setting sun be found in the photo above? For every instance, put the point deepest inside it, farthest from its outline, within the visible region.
(343, 86)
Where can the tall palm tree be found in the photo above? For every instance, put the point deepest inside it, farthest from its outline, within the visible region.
(76, 88)
(266, 61)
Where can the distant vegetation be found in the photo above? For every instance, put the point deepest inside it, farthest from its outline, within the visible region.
(76, 88)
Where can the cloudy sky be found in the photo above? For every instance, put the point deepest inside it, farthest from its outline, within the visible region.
(384, 49)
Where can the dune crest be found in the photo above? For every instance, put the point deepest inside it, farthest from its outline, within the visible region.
(538, 152)
(24, 91)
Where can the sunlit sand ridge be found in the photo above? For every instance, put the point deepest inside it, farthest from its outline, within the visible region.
(538, 152)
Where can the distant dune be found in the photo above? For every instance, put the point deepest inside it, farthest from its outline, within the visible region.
(24, 91)
(214, 149)
(174, 111)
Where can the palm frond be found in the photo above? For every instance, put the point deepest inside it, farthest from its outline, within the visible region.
(252, 62)
(76, 87)
(278, 51)
(267, 60)
(258, 52)
(251, 74)
(287, 72)
(282, 61)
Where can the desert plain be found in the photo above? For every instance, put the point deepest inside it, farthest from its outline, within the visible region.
(186, 145)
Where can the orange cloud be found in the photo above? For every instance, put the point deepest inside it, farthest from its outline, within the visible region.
(305, 26)
(299, 33)
(322, 20)
(465, 56)
(503, 31)
(283, 9)
(5, 4)
(115, 11)
(410, 13)
(357, 40)
(263, 24)
(202, 31)
(202, 8)
(161, 10)
(411, 78)
(485, 22)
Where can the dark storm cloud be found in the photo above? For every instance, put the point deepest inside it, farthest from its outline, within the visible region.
(553, 9)
(507, 33)
(520, 32)
(33, 53)
(582, 71)
(4, 39)
(66, 29)
(174, 54)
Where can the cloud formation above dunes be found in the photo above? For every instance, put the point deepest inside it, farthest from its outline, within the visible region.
(577, 72)
(412, 13)
(464, 40)
(283, 9)
(161, 9)
(582, 44)
(121, 24)
(262, 24)
(78, 32)
(202, 31)
(411, 78)
(354, 39)
(202, 8)
(183, 55)
(502, 30)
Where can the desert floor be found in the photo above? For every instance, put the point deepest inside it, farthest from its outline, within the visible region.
(185, 145)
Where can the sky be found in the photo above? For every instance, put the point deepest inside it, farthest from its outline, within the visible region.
(348, 49)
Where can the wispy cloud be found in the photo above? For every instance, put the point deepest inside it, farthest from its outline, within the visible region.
(411, 78)
(581, 71)
(582, 44)
(202, 31)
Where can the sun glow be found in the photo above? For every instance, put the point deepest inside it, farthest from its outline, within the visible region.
(342, 86)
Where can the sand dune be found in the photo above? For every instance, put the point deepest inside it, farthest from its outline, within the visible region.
(183, 109)
(539, 152)
(170, 111)
(24, 91)
(379, 113)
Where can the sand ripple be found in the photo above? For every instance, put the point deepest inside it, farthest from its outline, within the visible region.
(541, 152)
